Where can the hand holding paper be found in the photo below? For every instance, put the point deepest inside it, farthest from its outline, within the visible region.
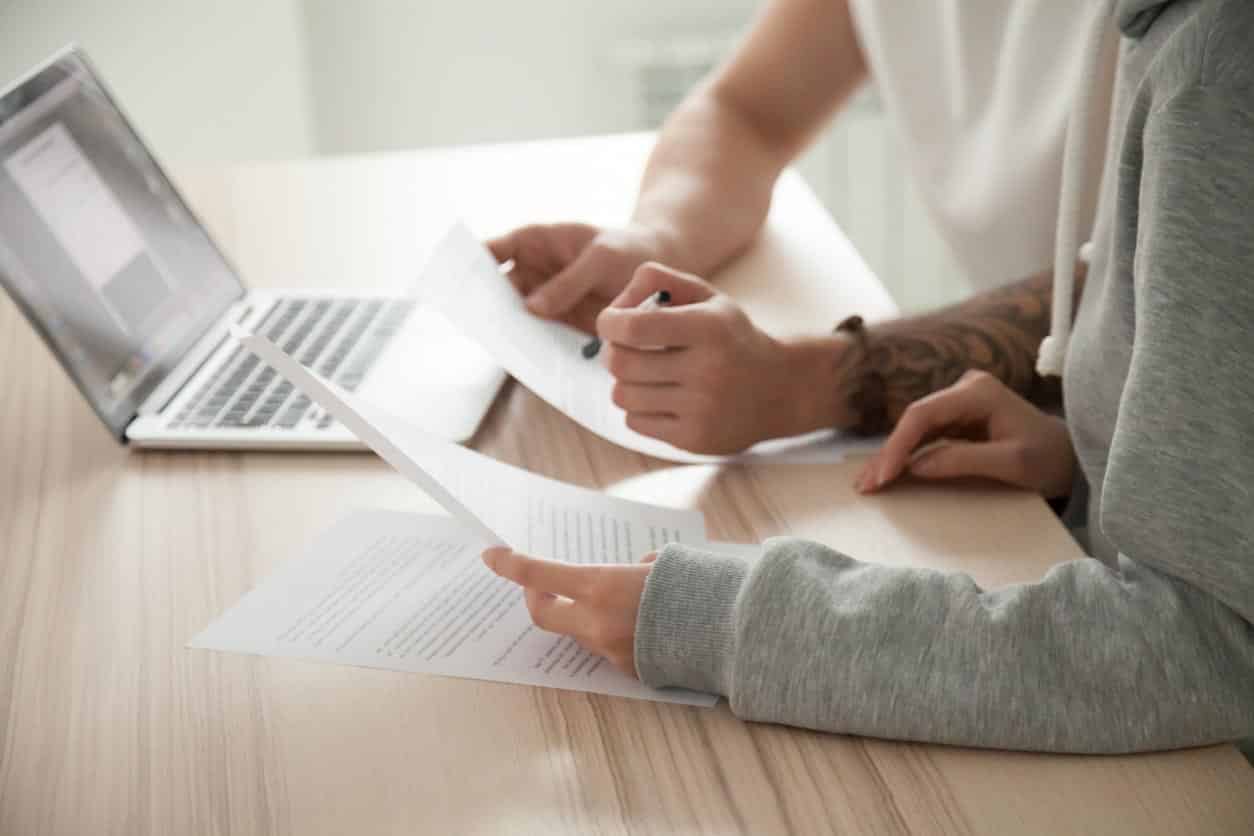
(408, 592)
(462, 282)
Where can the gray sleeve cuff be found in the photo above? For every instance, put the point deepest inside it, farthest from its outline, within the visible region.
(685, 627)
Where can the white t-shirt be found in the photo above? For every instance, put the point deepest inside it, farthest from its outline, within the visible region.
(979, 92)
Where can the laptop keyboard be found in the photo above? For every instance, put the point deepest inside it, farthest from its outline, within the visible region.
(338, 338)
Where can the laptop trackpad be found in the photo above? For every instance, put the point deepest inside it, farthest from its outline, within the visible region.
(433, 376)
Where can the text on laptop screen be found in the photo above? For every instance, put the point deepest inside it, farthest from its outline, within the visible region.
(96, 245)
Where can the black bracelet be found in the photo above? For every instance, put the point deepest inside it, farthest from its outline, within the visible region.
(868, 398)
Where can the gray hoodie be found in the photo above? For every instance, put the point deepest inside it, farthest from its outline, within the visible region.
(1149, 642)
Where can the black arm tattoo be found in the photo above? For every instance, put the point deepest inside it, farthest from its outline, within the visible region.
(999, 332)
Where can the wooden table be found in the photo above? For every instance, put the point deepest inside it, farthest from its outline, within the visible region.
(111, 559)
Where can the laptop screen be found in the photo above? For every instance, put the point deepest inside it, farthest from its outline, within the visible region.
(96, 246)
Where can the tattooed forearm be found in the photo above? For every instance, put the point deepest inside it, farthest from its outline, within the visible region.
(998, 332)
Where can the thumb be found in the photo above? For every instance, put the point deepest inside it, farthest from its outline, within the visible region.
(570, 285)
(650, 277)
(952, 459)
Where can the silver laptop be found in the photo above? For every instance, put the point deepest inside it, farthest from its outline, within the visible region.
(124, 284)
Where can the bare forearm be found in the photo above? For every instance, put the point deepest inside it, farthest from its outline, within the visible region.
(707, 187)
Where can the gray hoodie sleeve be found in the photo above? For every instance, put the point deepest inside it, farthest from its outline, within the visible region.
(1156, 652)
(1088, 660)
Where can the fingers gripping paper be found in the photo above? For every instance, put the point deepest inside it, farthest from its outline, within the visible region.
(409, 592)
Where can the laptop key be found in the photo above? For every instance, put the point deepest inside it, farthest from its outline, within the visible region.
(295, 411)
(252, 395)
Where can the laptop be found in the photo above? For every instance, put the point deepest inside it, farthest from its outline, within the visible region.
(111, 267)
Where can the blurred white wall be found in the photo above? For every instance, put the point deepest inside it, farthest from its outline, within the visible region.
(202, 79)
(398, 73)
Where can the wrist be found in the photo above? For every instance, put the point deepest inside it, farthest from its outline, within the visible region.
(819, 369)
(659, 240)
(685, 624)
(678, 244)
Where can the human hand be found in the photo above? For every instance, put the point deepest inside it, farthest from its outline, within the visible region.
(699, 375)
(986, 430)
(595, 604)
(570, 271)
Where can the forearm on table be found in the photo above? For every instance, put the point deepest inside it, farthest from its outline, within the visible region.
(1087, 660)
(999, 332)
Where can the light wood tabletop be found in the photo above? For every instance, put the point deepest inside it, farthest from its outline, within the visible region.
(111, 559)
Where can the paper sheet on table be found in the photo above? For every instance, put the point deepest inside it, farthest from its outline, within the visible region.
(408, 592)
(461, 280)
(495, 502)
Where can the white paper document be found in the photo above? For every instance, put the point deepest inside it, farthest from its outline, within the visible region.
(409, 592)
(462, 281)
(495, 502)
